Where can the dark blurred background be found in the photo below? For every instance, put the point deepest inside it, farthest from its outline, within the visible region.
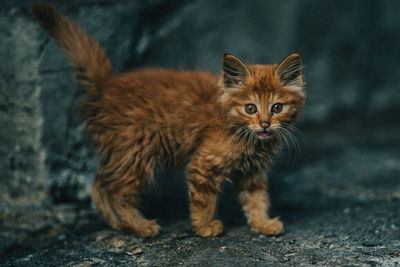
(351, 52)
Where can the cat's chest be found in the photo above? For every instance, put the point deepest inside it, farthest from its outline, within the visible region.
(250, 161)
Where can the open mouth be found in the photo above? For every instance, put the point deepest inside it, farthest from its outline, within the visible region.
(264, 133)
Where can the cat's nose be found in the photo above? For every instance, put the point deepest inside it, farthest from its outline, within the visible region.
(265, 124)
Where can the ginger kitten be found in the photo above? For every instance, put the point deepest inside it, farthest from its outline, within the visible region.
(220, 127)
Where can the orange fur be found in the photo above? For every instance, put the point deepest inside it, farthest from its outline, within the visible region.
(152, 116)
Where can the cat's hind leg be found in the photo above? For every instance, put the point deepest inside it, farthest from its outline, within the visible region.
(101, 199)
(117, 189)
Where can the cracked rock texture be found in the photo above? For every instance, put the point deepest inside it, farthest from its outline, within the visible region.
(339, 196)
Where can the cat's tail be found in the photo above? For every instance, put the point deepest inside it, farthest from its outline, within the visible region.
(92, 66)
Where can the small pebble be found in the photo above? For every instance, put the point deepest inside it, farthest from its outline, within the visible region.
(369, 244)
(137, 251)
(222, 249)
(27, 258)
(285, 260)
(394, 253)
(62, 236)
(329, 235)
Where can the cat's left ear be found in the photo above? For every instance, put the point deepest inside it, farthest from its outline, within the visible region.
(234, 71)
(289, 72)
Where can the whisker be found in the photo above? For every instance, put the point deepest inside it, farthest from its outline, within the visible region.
(239, 136)
(289, 135)
(285, 147)
(292, 143)
(296, 130)
(301, 138)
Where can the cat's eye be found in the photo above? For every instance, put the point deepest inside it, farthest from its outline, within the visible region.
(250, 108)
(276, 108)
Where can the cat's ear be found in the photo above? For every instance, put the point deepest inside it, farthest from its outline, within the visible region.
(289, 72)
(234, 71)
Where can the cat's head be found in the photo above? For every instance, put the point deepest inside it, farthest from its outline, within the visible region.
(262, 100)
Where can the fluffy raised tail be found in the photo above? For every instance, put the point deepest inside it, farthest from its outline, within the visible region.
(92, 66)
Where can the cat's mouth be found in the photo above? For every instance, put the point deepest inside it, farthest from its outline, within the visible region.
(264, 133)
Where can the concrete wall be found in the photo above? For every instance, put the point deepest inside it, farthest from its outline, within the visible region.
(350, 49)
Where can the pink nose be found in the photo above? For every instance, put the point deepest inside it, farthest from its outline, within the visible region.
(265, 124)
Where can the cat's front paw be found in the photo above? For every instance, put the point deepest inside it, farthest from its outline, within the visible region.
(150, 229)
(214, 228)
(147, 229)
(269, 227)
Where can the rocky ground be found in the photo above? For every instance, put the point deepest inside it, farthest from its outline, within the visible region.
(340, 205)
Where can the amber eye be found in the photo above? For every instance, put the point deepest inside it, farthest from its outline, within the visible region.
(276, 108)
(250, 108)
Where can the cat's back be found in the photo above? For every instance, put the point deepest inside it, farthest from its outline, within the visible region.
(162, 92)
(166, 87)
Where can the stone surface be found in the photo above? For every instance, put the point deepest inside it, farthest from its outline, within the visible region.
(339, 196)
(333, 216)
(21, 151)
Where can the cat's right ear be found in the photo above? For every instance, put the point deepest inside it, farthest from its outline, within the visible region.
(234, 71)
(289, 72)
